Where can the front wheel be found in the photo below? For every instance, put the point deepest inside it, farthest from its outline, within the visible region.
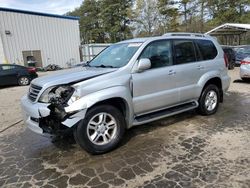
(101, 130)
(209, 100)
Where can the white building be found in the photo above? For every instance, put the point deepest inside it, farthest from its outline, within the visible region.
(89, 51)
(27, 36)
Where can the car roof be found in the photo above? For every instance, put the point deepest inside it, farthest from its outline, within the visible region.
(138, 40)
(11, 65)
(169, 36)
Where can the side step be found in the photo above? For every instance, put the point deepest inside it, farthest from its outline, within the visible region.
(146, 118)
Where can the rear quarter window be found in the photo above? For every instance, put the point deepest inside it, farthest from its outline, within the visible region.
(207, 49)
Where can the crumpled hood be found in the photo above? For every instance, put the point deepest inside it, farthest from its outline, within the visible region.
(70, 76)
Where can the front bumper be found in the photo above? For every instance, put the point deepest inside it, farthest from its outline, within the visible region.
(31, 110)
(33, 113)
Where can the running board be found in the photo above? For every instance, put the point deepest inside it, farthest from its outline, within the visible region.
(146, 118)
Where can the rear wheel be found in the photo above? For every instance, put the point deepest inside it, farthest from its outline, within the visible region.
(209, 100)
(23, 81)
(101, 130)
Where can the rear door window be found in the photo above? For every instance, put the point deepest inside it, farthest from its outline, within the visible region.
(184, 51)
(207, 49)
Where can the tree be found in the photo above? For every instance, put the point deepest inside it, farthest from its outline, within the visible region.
(116, 20)
(223, 11)
(170, 15)
(184, 4)
(115, 16)
(90, 23)
(146, 17)
(203, 5)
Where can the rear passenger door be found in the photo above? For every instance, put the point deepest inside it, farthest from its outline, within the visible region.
(188, 68)
(192, 60)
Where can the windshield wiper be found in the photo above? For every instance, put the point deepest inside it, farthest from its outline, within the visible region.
(105, 66)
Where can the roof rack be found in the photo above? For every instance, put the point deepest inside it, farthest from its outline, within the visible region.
(185, 34)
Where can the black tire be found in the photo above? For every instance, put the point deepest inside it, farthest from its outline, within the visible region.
(23, 81)
(203, 109)
(231, 66)
(81, 135)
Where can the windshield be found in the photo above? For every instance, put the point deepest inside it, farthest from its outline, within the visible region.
(115, 56)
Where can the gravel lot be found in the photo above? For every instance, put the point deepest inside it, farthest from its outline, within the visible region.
(10, 110)
(187, 150)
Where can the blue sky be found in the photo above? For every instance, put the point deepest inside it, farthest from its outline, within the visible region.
(47, 6)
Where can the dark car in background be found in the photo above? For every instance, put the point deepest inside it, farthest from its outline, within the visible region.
(11, 74)
(242, 52)
(230, 53)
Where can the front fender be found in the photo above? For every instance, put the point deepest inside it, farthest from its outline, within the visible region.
(102, 95)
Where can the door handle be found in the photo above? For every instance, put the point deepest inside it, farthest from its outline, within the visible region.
(200, 67)
(171, 72)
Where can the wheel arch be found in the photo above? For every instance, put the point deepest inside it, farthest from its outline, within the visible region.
(117, 102)
(119, 96)
(215, 81)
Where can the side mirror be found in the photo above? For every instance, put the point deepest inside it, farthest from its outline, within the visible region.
(143, 65)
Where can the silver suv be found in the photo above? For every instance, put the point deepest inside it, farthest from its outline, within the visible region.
(129, 83)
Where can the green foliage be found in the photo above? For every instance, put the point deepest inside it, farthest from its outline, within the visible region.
(90, 21)
(170, 12)
(104, 20)
(115, 20)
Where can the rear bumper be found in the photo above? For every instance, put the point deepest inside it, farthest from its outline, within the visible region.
(33, 75)
(225, 83)
(245, 71)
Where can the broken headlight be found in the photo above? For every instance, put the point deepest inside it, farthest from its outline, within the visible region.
(57, 94)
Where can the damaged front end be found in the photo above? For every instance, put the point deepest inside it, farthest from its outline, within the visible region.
(54, 120)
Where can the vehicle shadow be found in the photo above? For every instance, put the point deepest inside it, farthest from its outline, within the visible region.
(242, 81)
(7, 87)
(149, 127)
(11, 86)
(67, 142)
(64, 142)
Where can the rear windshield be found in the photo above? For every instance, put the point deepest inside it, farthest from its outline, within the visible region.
(207, 49)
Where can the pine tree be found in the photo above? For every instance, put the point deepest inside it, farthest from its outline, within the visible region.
(90, 23)
(115, 15)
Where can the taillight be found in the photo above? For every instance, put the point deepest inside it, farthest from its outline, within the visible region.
(245, 62)
(31, 69)
(225, 60)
